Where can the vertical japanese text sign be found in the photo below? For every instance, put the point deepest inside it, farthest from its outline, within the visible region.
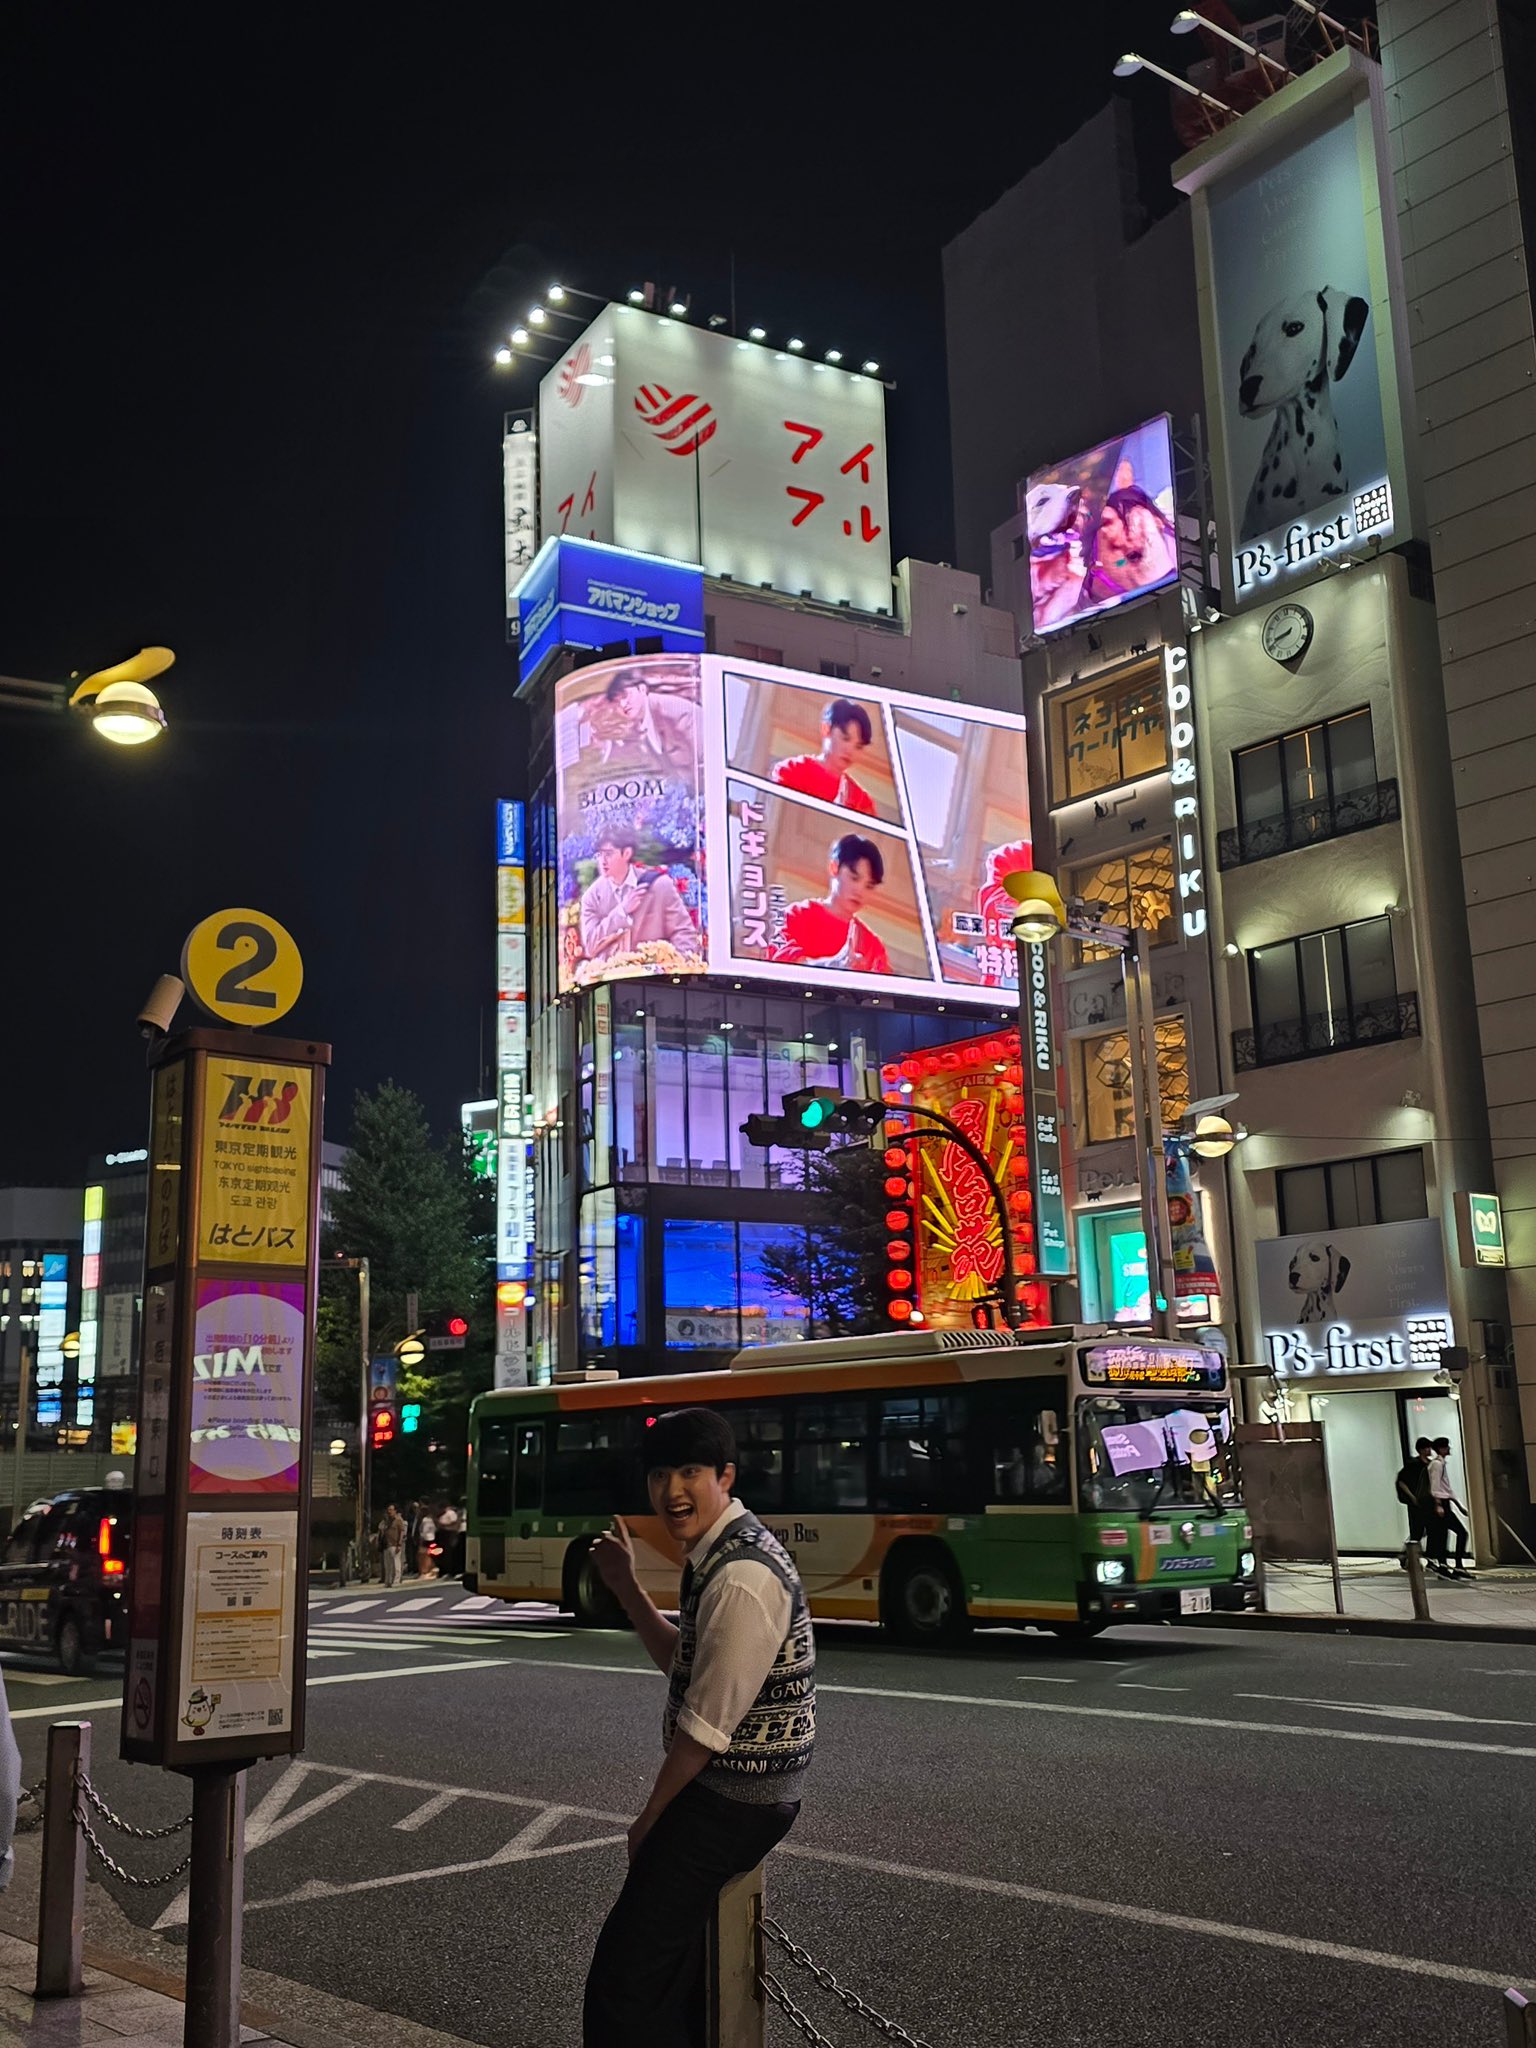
(221, 1480)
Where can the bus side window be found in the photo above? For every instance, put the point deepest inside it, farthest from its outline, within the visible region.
(920, 1451)
(759, 1433)
(529, 1477)
(1020, 1444)
(494, 1471)
(591, 1466)
(831, 1454)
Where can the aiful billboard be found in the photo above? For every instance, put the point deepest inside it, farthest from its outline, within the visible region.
(1306, 378)
(764, 466)
(729, 817)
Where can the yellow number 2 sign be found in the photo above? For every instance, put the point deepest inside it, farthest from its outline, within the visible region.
(241, 965)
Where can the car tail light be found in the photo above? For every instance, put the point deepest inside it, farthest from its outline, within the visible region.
(112, 1567)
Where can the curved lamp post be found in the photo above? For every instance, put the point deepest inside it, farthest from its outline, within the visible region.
(118, 700)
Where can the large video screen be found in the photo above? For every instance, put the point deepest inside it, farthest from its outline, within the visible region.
(856, 837)
(1102, 527)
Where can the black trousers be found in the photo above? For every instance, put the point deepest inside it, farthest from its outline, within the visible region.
(1440, 1530)
(645, 1986)
(1418, 1515)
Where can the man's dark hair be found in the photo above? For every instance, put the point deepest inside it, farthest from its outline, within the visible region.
(841, 713)
(1423, 1444)
(624, 679)
(1441, 1443)
(620, 841)
(688, 1436)
(852, 848)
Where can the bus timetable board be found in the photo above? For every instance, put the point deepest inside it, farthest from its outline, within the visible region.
(1140, 1365)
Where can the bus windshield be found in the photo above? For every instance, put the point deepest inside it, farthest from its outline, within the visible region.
(1138, 1455)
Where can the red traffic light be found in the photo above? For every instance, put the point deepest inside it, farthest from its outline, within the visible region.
(457, 1327)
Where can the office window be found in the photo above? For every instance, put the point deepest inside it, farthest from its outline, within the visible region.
(839, 669)
(1307, 787)
(1105, 1072)
(1107, 732)
(1387, 1187)
(1323, 993)
(1135, 891)
(701, 1285)
(750, 651)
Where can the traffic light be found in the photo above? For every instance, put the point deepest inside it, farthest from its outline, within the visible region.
(447, 1333)
(410, 1418)
(381, 1427)
(812, 1117)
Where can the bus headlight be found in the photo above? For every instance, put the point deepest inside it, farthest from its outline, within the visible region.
(1246, 1564)
(1110, 1571)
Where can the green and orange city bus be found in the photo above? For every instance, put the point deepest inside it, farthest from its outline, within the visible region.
(1065, 1478)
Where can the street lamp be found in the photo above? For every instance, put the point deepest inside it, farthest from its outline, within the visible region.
(1041, 916)
(118, 701)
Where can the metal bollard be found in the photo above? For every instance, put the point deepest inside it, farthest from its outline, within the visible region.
(1519, 2021)
(1260, 1584)
(735, 2016)
(1413, 1558)
(61, 1895)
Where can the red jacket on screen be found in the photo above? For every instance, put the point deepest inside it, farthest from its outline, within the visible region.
(813, 932)
(809, 775)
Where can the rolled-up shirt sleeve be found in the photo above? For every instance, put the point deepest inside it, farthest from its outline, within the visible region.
(742, 1622)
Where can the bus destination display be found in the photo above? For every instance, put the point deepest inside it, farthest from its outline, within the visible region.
(1137, 1365)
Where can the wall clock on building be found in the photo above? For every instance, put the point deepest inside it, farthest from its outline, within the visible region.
(1287, 632)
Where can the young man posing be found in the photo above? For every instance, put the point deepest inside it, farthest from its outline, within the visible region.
(830, 933)
(738, 1729)
(845, 734)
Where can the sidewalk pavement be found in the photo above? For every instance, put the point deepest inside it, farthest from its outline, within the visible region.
(117, 2011)
(1376, 1594)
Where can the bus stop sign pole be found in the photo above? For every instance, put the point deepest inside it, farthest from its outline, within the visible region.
(217, 1622)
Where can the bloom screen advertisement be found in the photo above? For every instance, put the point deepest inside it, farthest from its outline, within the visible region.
(1102, 527)
(1304, 389)
(247, 1386)
(735, 818)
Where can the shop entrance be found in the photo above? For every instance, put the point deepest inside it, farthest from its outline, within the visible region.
(1369, 1436)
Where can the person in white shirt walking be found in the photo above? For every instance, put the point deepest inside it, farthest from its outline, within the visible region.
(1445, 1514)
(738, 1730)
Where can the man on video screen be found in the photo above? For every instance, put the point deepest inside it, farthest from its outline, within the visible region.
(845, 733)
(628, 907)
(830, 933)
(658, 723)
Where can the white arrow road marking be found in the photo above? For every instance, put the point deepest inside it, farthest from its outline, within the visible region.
(1386, 1712)
(525, 1846)
(429, 1809)
(273, 1817)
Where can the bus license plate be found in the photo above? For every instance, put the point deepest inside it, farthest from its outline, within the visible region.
(1194, 1600)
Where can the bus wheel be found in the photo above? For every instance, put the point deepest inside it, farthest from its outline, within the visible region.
(1075, 1631)
(923, 1600)
(73, 1659)
(590, 1600)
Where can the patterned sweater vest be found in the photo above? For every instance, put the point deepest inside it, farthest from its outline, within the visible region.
(771, 1747)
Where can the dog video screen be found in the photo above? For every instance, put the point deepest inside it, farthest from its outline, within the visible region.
(1102, 528)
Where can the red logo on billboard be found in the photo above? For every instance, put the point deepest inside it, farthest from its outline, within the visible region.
(577, 366)
(682, 424)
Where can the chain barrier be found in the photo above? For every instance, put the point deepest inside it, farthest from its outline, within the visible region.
(29, 1807)
(850, 2000)
(103, 1854)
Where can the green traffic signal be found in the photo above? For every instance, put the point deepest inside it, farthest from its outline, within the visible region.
(410, 1418)
(815, 1113)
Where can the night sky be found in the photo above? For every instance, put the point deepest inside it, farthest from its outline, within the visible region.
(256, 263)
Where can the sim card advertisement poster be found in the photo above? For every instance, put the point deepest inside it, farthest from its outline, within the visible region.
(247, 1387)
(726, 816)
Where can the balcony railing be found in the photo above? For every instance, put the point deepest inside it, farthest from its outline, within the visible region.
(1325, 1031)
(1356, 810)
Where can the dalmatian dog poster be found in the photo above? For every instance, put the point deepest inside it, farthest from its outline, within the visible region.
(1299, 359)
(1361, 1299)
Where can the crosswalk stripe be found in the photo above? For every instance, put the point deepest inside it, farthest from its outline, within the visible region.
(352, 1606)
(427, 1600)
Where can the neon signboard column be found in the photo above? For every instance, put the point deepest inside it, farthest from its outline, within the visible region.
(1185, 775)
(514, 1209)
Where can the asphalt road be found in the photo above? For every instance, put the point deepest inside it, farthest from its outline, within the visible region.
(1310, 1839)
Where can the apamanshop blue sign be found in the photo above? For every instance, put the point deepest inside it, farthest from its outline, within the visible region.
(582, 593)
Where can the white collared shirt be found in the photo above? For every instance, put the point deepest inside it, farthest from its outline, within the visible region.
(743, 1618)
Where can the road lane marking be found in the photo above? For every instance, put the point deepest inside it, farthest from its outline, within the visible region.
(405, 1606)
(1038, 1678)
(1140, 1685)
(1150, 1916)
(1389, 1713)
(1503, 1671)
(352, 1606)
(15, 1677)
(311, 1651)
(475, 1600)
(1380, 1663)
(429, 1809)
(72, 1708)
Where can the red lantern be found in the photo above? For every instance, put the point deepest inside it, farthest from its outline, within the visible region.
(931, 1064)
(910, 1070)
(899, 1279)
(898, 1248)
(900, 1311)
(895, 1155)
(897, 1219)
(897, 1188)
(992, 1049)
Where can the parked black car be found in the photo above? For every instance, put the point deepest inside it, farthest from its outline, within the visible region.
(64, 1577)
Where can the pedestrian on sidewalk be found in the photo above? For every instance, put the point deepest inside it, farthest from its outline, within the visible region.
(392, 1544)
(1446, 1514)
(738, 1730)
(412, 1525)
(426, 1536)
(1413, 1492)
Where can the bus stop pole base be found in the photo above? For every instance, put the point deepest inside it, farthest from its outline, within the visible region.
(216, 1905)
(61, 1895)
(735, 2016)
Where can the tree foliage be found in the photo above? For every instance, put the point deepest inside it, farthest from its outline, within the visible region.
(838, 1269)
(426, 1225)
